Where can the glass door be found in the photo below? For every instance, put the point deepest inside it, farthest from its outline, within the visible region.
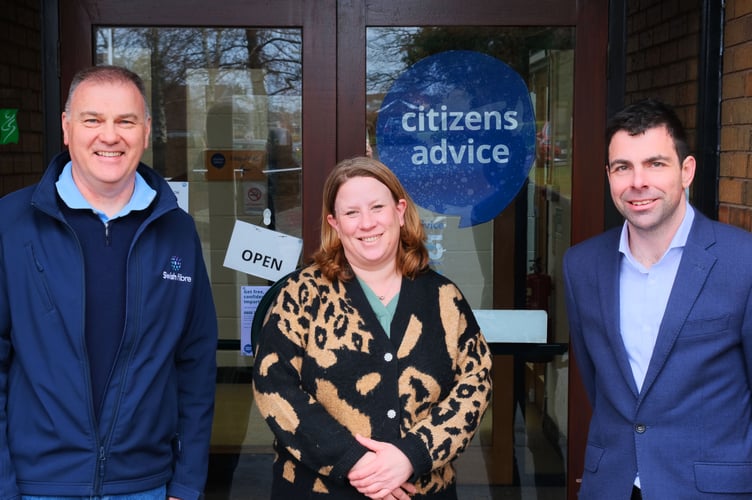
(443, 107)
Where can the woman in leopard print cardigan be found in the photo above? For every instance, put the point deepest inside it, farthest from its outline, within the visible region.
(372, 371)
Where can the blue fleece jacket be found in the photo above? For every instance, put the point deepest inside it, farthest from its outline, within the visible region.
(156, 409)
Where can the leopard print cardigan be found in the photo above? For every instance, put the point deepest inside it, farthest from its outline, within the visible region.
(326, 370)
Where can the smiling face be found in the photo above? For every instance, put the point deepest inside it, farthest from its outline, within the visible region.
(647, 181)
(367, 221)
(106, 130)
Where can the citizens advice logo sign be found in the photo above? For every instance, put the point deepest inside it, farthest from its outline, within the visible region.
(458, 130)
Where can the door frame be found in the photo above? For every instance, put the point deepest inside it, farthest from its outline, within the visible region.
(590, 19)
(334, 49)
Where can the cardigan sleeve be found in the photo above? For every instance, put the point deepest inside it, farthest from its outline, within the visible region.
(300, 423)
(446, 430)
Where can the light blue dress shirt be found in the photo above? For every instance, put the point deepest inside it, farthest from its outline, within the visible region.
(644, 294)
(142, 196)
(643, 297)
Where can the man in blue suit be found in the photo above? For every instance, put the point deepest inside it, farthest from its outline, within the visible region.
(660, 312)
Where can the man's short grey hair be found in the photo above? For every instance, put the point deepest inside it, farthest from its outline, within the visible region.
(106, 74)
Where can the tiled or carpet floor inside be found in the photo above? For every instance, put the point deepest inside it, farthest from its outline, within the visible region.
(539, 471)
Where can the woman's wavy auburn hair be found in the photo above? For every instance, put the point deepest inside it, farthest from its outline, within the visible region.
(412, 255)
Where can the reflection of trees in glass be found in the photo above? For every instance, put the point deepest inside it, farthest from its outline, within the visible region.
(513, 45)
(391, 50)
(182, 49)
(166, 56)
(385, 55)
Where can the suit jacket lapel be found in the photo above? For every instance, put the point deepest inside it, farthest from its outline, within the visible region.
(608, 282)
(693, 271)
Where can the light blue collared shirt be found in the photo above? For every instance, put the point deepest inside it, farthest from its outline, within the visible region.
(644, 294)
(643, 297)
(142, 196)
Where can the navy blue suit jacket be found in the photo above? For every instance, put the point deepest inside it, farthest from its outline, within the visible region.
(689, 431)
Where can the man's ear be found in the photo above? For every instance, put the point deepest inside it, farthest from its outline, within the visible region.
(688, 167)
(65, 123)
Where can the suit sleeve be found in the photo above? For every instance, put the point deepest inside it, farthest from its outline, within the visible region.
(576, 335)
(747, 336)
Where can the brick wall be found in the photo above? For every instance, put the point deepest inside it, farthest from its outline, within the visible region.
(663, 38)
(735, 182)
(21, 89)
(662, 61)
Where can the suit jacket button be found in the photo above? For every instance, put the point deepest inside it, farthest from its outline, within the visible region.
(640, 428)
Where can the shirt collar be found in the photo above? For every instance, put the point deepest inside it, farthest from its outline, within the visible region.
(141, 198)
(678, 241)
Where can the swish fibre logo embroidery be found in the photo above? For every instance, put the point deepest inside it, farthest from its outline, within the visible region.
(174, 274)
(176, 263)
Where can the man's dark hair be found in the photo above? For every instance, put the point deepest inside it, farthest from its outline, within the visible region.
(638, 117)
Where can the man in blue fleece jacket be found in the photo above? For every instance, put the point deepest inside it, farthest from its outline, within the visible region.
(108, 328)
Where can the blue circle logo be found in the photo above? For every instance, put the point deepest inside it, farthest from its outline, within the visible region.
(218, 160)
(458, 130)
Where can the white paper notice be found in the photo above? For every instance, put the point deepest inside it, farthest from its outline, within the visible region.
(262, 252)
(180, 188)
(250, 296)
(512, 325)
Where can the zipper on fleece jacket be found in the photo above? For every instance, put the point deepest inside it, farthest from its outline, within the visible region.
(102, 461)
(99, 473)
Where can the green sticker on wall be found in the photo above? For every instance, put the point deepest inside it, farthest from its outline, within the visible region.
(8, 126)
